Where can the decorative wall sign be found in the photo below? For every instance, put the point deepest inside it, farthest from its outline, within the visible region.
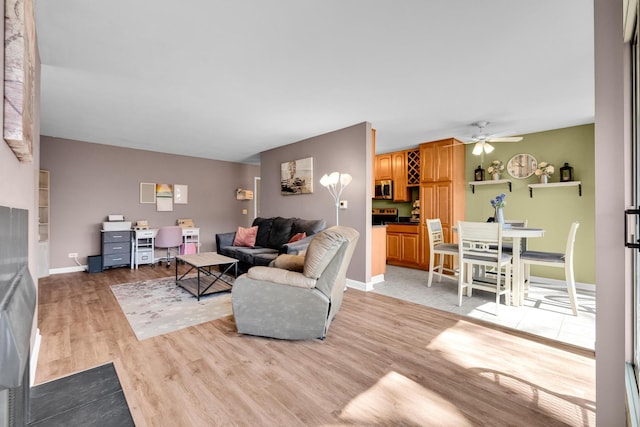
(296, 177)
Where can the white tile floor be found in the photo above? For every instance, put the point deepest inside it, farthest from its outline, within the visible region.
(546, 311)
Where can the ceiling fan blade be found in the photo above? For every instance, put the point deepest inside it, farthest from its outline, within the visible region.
(506, 139)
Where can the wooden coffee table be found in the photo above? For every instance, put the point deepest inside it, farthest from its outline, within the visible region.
(202, 262)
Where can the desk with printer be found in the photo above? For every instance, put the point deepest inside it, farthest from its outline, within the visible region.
(124, 245)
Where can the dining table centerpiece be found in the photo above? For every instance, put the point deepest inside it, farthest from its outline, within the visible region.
(495, 169)
(544, 171)
(498, 204)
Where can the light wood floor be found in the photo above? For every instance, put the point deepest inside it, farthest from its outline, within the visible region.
(384, 362)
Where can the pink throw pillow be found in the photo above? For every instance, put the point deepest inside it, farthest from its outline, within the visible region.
(246, 236)
(298, 236)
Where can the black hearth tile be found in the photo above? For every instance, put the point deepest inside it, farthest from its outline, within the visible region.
(108, 411)
(75, 390)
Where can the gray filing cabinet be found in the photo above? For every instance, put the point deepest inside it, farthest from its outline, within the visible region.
(116, 249)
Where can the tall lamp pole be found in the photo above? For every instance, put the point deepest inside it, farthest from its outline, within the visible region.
(335, 183)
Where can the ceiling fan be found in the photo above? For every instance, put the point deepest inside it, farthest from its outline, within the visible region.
(482, 139)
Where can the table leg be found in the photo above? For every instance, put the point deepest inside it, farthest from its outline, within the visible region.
(198, 284)
(517, 280)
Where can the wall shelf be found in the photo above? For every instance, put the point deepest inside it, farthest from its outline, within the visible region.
(556, 184)
(489, 182)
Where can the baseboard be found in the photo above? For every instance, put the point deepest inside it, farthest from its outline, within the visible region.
(68, 269)
(362, 286)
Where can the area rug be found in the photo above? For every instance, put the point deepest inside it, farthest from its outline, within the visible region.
(158, 306)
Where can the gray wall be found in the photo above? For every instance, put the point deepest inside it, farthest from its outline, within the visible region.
(90, 181)
(346, 150)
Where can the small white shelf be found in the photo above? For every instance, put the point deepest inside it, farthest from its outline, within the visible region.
(473, 184)
(556, 184)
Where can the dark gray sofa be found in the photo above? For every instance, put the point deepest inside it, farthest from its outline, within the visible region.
(272, 240)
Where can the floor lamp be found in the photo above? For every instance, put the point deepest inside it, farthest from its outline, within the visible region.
(330, 182)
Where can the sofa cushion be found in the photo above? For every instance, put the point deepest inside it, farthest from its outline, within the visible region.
(280, 232)
(309, 226)
(246, 236)
(320, 252)
(264, 229)
(265, 258)
(249, 255)
(297, 236)
(283, 277)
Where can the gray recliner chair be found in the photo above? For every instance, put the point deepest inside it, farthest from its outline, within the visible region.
(299, 296)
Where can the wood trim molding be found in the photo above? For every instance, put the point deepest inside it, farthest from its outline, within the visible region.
(19, 77)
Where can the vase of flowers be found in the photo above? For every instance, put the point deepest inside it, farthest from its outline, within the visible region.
(495, 169)
(544, 171)
(498, 205)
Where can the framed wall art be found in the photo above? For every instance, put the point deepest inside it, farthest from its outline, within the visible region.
(180, 194)
(164, 197)
(147, 192)
(296, 177)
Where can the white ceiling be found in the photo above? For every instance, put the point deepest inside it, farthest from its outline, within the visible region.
(229, 79)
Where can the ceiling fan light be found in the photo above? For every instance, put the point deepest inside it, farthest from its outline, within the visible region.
(488, 148)
(477, 149)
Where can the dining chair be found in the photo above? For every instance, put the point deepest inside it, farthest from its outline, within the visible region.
(168, 238)
(480, 244)
(507, 243)
(438, 246)
(556, 259)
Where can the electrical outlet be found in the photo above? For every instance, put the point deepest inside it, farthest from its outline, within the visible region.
(343, 204)
(73, 255)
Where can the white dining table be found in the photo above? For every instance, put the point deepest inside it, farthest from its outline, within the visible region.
(517, 278)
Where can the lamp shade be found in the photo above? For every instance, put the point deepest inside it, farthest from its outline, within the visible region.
(477, 149)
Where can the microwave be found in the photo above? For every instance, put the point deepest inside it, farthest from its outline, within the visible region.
(383, 189)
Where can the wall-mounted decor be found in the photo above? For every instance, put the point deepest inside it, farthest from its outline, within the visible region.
(522, 166)
(180, 194)
(296, 177)
(147, 192)
(244, 194)
(164, 198)
(19, 77)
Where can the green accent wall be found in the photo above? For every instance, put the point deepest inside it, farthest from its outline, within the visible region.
(553, 209)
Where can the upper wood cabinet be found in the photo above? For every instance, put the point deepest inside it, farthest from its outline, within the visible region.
(384, 166)
(399, 167)
(437, 159)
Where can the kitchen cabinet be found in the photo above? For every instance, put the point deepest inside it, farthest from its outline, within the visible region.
(437, 160)
(403, 245)
(384, 166)
(442, 191)
(401, 192)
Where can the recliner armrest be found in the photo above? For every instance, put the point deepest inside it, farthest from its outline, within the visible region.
(225, 239)
(281, 277)
(296, 247)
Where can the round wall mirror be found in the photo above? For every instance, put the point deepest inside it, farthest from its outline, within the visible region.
(522, 166)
